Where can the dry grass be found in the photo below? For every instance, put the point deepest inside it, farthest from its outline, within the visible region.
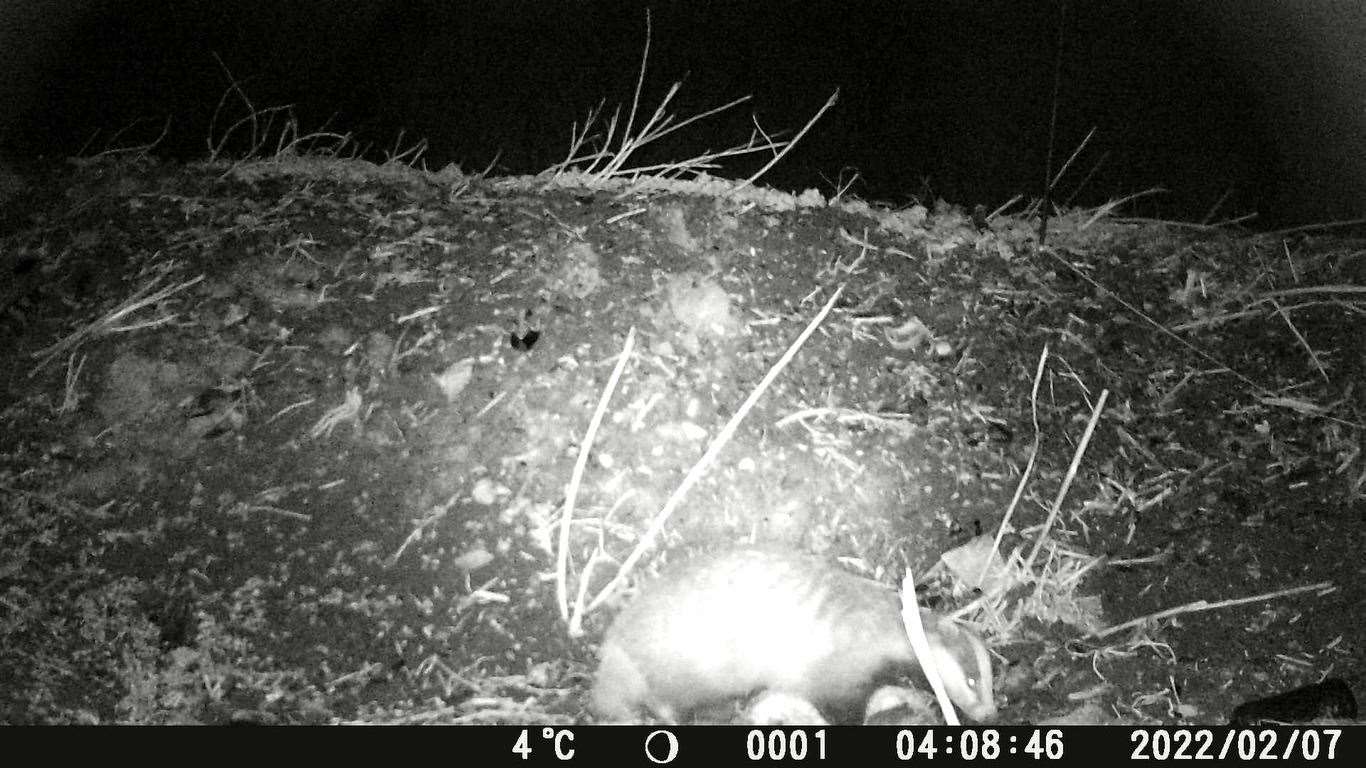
(595, 158)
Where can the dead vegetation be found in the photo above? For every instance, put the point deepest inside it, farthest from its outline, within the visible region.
(301, 438)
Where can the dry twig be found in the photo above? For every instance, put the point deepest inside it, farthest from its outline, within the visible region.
(708, 458)
(1205, 605)
(915, 631)
(1025, 475)
(576, 478)
(1067, 481)
(108, 323)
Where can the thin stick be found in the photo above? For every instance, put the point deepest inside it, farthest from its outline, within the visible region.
(1045, 204)
(586, 575)
(1024, 476)
(830, 102)
(1214, 320)
(640, 83)
(1315, 289)
(1226, 223)
(571, 491)
(712, 452)
(915, 631)
(1254, 386)
(1086, 179)
(1000, 209)
(1315, 227)
(1067, 481)
(1105, 210)
(70, 398)
(1063, 170)
(1216, 226)
(660, 126)
(1205, 605)
(1290, 262)
(105, 324)
(1313, 356)
(1227, 193)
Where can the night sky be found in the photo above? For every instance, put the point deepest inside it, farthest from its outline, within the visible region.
(1266, 99)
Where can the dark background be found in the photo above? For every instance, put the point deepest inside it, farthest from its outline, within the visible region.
(1203, 97)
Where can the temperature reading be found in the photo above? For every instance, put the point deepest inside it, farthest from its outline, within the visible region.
(562, 742)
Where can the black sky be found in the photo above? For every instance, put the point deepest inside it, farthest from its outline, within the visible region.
(1267, 99)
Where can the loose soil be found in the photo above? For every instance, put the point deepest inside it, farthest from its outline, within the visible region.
(288, 441)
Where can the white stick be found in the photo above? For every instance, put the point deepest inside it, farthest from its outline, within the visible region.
(915, 630)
